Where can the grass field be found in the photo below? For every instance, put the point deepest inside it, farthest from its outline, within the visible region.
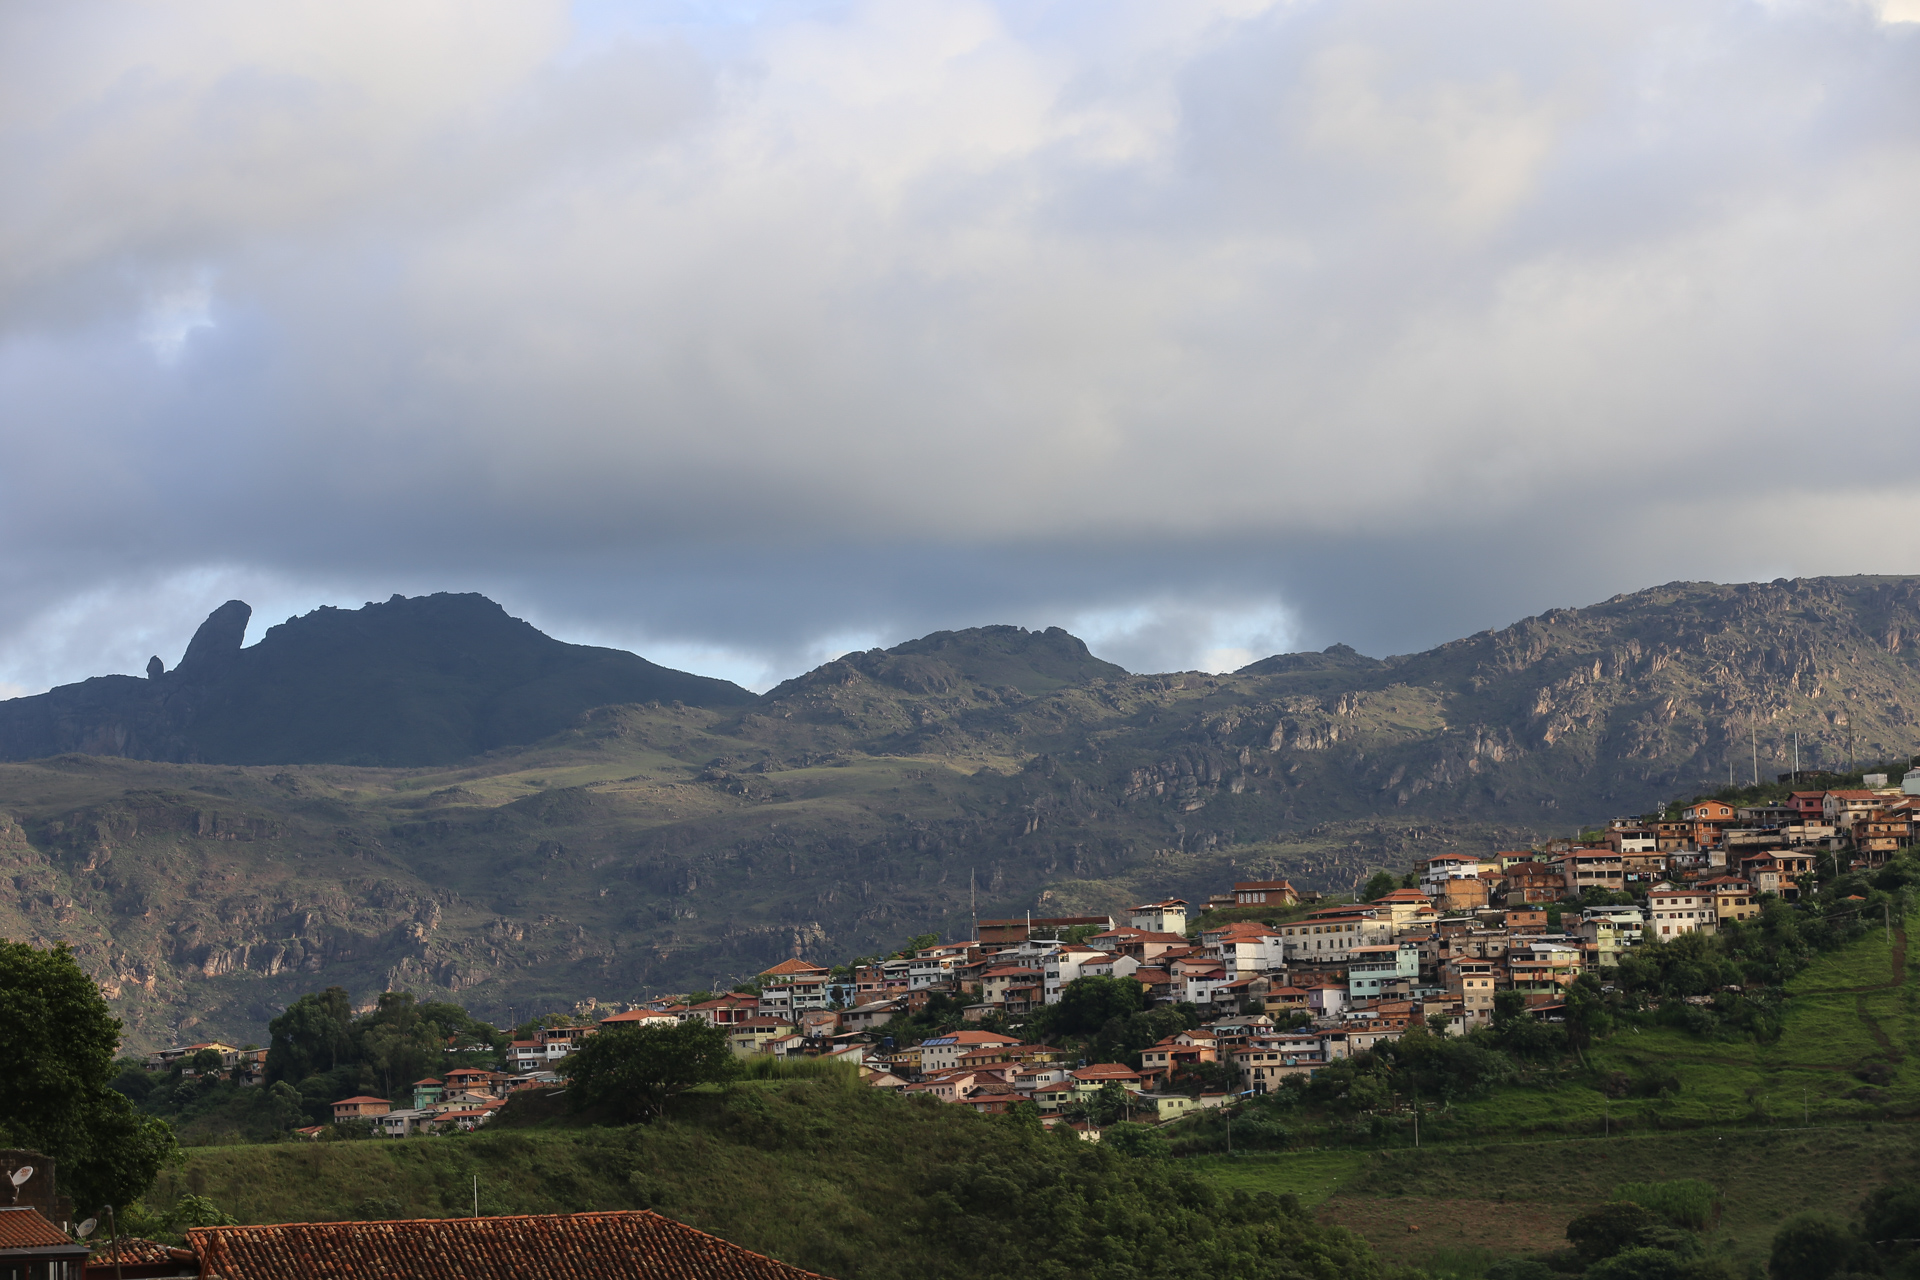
(1851, 1030)
(1310, 1175)
(1487, 1201)
(1813, 1121)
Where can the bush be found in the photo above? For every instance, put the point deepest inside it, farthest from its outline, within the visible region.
(1609, 1229)
(1809, 1247)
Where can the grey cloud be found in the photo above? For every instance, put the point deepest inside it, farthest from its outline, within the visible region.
(1207, 326)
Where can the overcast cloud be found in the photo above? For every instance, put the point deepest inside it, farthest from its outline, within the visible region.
(742, 335)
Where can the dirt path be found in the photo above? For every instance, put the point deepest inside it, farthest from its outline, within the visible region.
(1873, 1029)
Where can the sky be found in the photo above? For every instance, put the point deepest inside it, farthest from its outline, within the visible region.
(744, 334)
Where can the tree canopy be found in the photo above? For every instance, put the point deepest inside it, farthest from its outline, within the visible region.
(57, 1044)
(631, 1072)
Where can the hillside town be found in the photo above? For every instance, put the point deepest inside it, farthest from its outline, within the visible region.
(1281, 982)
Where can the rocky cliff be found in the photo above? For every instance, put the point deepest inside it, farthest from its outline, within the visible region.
(658, 846)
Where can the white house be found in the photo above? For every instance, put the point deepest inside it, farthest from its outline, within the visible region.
(1161, 917)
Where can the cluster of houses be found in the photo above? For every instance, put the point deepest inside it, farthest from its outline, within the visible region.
(1768, 848)
(1284, 986)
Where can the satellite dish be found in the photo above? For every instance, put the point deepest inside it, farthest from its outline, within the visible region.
(86, 1228)
(21, 1175)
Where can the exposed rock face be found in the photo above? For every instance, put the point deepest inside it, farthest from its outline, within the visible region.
(155, 667)
(864, 802)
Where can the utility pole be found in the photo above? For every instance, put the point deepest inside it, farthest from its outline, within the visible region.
(1753, 736)
(1796, 757)
(113, 1226)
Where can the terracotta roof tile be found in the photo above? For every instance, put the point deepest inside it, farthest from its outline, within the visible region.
(23, 1228)
(634, 1243)
(786, 967)
(132, 1251)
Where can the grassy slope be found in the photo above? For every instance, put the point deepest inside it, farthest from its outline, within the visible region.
(835, 1178)
(815, 1193)
(1739, 1122)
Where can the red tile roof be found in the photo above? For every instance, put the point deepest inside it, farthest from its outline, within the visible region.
(1107, 1071)
(22, 1227)
(786, 967)
(634, 1243)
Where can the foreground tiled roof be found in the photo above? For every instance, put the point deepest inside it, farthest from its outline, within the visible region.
(23, 1228)
(584, 1245)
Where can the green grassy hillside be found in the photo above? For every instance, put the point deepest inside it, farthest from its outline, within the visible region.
(1812, 1121)
(835, 1178)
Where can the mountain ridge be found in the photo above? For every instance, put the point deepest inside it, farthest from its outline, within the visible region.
(406, 682)
(650, 846)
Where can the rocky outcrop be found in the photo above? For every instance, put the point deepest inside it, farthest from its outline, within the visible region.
(215, 647)
(417, 681)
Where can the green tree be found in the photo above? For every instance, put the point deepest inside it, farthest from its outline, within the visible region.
(1136, 1140)
(1379, 887)
(1892, 1214)
(634, 1071)
(57, 1041)
(314, 1034)
(398, 1043)
(1811, 1246)
(205, 1061)
(1087, 1004)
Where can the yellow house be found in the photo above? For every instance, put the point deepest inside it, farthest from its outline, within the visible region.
(752, 1037)
(1166, 1106)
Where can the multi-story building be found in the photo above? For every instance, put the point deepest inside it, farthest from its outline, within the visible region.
(790, 986)
(1246, 947)
(1585, 869)
(1733, 898)
(1471, 982)
(1328, 937)
(1259, 893)
(1673, 911)
(1844, 808)
(1373, 970)
(1543, 967)
(1161, 917)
